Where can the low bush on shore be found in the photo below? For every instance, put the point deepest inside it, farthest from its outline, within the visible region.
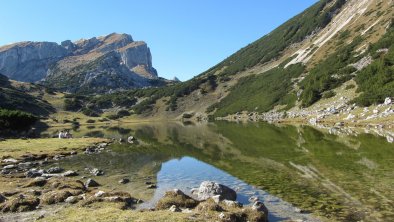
(16, 120)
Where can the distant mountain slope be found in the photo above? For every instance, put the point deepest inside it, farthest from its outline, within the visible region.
(332, 42)
(329, 61)
(14, 98)
(100, 64)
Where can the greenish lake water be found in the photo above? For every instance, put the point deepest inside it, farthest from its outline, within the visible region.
(339, 176)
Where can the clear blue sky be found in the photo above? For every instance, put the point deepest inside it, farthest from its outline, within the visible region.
(186, 37)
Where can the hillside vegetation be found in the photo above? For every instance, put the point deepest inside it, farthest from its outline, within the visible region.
(376, 82)
(12, 98)
(261, 51)
(259, 77)
(271, 46)
(262, 92)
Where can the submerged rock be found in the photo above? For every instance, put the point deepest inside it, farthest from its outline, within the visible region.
(209, 189)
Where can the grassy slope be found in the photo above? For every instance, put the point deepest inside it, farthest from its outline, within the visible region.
(376, 82)
(15, 98)
(262, 92)
(110, 212)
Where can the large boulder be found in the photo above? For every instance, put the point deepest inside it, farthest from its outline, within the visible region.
(209, 189)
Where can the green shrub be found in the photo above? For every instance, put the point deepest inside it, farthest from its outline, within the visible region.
(113, 116)
(261, 92)
(329, 73)
(328, 94)
(90, 121)
(72, 104)
(351, 86)
(124, 101)
(16, 120)
(376, 81)
(89, 112)
(122, 113)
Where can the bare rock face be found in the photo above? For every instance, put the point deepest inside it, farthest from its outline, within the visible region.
(29, 61)
(112, 62)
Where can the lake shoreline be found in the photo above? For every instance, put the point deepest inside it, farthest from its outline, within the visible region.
(29, 193)
(167, 140)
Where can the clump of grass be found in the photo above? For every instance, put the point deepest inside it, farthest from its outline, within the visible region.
(328, 94)
(20, 204)
(178, 199)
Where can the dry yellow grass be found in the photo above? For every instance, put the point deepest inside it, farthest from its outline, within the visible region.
(110, 212)
(18, 147)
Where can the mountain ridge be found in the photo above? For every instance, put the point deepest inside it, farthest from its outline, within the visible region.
(53, 63)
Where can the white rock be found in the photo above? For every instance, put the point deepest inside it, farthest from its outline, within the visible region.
(99, 193)
(10, 160)
(313, 121)
(350, 116)
(174, 208)
(387, 101)
(390, 139)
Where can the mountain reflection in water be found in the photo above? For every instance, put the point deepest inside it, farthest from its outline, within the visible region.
(343, 177)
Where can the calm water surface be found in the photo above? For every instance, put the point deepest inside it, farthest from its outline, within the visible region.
(340, 176)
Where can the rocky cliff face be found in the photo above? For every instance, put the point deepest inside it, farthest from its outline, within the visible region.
(105, 63)
(29, 61)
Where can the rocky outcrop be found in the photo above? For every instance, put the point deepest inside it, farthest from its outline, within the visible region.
(29, 61)
(103, 64)
(210, 189)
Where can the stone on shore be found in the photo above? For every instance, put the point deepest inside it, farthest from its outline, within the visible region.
(97, 172)
(209, 189)
(91, 183)
(124, 181)
(55, 170)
